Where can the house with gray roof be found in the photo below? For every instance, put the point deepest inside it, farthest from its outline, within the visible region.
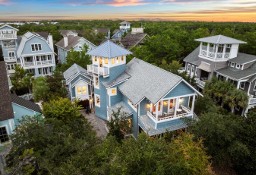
(219, 56)
(79, 83)
(12, 107)
(152, 99)
(33, 51)
(71, 40)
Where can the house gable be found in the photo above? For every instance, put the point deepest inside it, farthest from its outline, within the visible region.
(181, 89)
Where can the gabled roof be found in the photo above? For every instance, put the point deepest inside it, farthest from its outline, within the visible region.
(108, 49)
(193, 57)
(125, 22)
(43, 34)
(25, 103)
(147, 81)
(74, 71)
(243, 58)
(6, 25)
(220, 39)
(131, 40)
(72, 42)
(121, 78)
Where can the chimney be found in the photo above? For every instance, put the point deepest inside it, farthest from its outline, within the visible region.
(50, 41)
(6, 111)
(65, 41)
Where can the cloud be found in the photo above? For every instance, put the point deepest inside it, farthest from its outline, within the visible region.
(115, 3)
(5, 2)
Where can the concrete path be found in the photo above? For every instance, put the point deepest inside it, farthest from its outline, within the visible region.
(98, 124)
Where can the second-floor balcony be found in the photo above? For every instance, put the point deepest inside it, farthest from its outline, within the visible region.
(214, 55)
(37, 63)
(98, 70)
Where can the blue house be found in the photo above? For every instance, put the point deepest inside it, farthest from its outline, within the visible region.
(156, 100)
(12, 107)
(79, 83)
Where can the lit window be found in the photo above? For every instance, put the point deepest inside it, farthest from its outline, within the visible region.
(81, 90)
(97, 100)
(106, 61)
(113, 61)
(112, 91)
(3, 134)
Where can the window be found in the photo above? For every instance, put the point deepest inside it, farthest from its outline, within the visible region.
(97, 100)
(96, 82)
(220, 48)
(106, 61)
(192, 69)
(113, 61)
(11, 54)
(238, 66)
(204, 44)
(132, 105)
(11, 66)
(112, 91)
(122, 58)
(188, 67)
(95, 59)
(36, 47)
(81, 90)
(254, 88)
(232, 64)
(228, 48)
(3, 134)
(242, 85)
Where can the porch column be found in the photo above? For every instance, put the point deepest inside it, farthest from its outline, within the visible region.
(216, 47)
(168, 106)
(224, 51)
(238, 84)
(201, 44)
(208, 47)
(176, 106)
(193, 104)
(157, 111)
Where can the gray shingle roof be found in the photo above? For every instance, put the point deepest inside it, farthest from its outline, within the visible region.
(72, 41)
(237, 73)
(243, 58)
(123, 106)
(108, 49)
(73, 72)
(193, 57)
(25, 103)
(220, 39)
(43, 34)
(123, 77)
(147, 81)
(131, 40)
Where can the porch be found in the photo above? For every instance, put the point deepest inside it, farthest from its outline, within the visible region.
(98, 70)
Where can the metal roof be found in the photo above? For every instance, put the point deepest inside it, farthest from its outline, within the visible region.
(6, 25)
(73, 72)
(204, 66)
(121, 78)
(25, 103)
(193, 57)
(147, 81)
(220, 39)
(108, 49)
(243, 58)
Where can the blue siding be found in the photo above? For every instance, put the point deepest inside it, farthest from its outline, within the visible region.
(35, 40)
(117, 98)
(86, 79)
(180, 89)
(73, 92)
(143, 106)
(20, 111)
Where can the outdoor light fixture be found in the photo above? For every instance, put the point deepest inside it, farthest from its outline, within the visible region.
(181, 100)
(148, 105)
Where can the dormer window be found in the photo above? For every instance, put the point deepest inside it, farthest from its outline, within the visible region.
(238, 66)
(36, 47)
(113, 61)
(232, 64)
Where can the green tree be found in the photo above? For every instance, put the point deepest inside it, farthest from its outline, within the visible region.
(40, 89)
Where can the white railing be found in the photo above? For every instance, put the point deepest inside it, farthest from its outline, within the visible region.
(8, 36)
(204, 52)
(44, 62)
(27, 96)
(100, 70)
(9, 58)
(200, 82)
(27, 64)
(219, 55)
(211, 54)
(252, 100)
(226, 55)
(9, 46)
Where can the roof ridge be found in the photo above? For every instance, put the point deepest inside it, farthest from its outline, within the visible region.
(218, 40)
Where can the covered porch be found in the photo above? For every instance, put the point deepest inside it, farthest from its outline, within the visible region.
(172, 108)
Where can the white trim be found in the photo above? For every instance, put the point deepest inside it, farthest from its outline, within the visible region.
(25, 107)
(110, 91)
(131, 104)
(232, 64)
(36, 54)
(247, 62)
(35, 47)
(95, 98)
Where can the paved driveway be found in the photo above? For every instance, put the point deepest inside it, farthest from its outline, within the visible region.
(98, 124)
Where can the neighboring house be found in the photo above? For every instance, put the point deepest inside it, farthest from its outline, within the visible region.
(71, 40)
(36, 53)
(219, 56)
(136, 37)
(125, 26)
(102, 31)
(79, 83)
(117, 35)
(12, 107)
(154, 99)
(33, 51)
(9, 43)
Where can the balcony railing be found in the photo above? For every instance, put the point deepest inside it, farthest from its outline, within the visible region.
(212, 54)
(28, 64)
(98, 70)
(8, 36)
(44, 62)
(9, 59)
(200, 83)
(252, 101)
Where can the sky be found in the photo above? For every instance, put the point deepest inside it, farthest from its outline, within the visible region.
(175, 10)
